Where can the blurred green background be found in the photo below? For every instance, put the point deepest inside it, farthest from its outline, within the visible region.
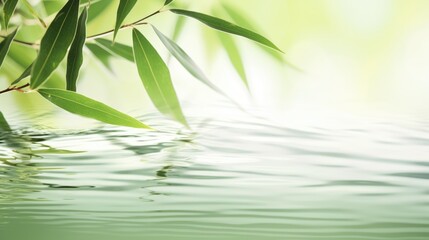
(364, 57)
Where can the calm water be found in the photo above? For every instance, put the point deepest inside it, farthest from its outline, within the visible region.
(234, 178)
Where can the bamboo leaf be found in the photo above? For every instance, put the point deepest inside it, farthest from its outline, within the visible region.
(4, 126)
(211, 44)
(22, 57)
(101, 54)
(156, 78)
(51, 7)
(178, 27)
(240, 19)
(8, 10)
(75, 57)
(234, 56)
(97, 8)
(24, 74)
(116, 49)
(189, 64)
(86, 3)
(87, 107)
(225, 26)
(55, 43)
(180, 24)
(5, 45)
(125, 7)
(22, 54)
(185, 60)
(51, 150)
(34, 12)
(167, 2)
(244, 21)
(103, 50)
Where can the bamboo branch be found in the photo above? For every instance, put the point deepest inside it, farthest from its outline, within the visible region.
(138, 22)
(98, 35)
(14, 88)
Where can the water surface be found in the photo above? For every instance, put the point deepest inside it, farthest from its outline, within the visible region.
(232, 178)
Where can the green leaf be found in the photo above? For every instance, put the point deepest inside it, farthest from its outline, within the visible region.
(177, 30)
(125, 7)
(51, 150)
(180, 24)
(55, 43)
(22, 54)
(34, 12)
(167, 2)
(97, 8)
(87, 107)
(4, 126)
(8, 10)
(116, 49)
(234, 55)
(101, 54)
(211, 44)
(156, 78)
(75, 57)
(22, 57)
(103, 50)
(240, 19)
(186, 61)
(51, 7)
(24, 74)
(225, 26)
(5, 45)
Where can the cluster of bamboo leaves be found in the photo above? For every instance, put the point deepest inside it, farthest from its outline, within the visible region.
(65, 38)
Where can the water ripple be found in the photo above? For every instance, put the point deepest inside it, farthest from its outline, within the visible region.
(230, 179)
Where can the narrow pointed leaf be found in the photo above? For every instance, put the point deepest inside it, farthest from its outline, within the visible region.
(24, 74)
(75, 57)
(185, 60)
(180, 24)
(103, 50)
(240, 19)
(97, 8)
(4, 126)
(244, 21)
(52, 150)
(8, 10)
(51, 7)
(55, 43)
(101, 54)
(178, 27)
(87, 107)
(225, 26)
(211, 44)
(156, 78)
(167, 2)
(5, 45)
(34, 12)
(125, 7)
(234, 55)
(189, 64)
(85, 3)
(20, 56)
(118, 49)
